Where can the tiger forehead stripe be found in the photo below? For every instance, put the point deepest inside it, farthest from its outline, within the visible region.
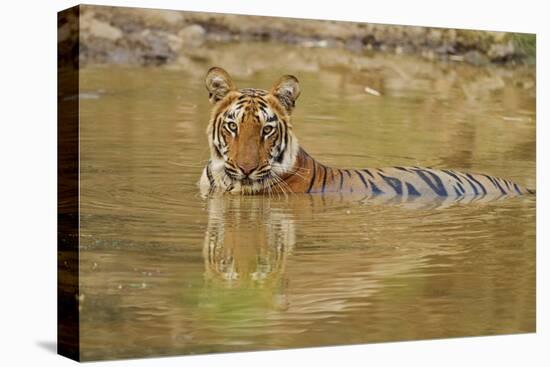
(251, 102)
(253, 92)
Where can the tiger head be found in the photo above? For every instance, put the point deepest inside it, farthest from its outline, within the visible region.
(250, 135)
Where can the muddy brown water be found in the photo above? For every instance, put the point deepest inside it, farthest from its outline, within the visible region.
(165, 271)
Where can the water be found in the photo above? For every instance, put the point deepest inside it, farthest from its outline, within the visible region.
(165, 271)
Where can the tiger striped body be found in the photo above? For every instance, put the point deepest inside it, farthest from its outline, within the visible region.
(253, 151)
(403, 181)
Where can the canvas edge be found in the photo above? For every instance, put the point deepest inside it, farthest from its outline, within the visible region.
(68, 213)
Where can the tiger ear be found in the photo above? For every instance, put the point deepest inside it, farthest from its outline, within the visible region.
(218, 84)
(287, 91)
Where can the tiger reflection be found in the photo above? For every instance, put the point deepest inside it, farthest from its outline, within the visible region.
(247, 240)
(251, 241)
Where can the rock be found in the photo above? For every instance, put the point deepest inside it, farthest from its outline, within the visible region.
(445, 49)
(156, 48)
(174, 42)
(372, 91)
(501, 51)
(193, 35)
(354, 44)
(434, 36)
(100, 29)
(159, 17)
(314, 43)
(476, 58)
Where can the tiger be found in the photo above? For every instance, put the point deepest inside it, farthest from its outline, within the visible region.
(253, 151)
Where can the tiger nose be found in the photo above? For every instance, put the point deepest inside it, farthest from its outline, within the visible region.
(248, 168)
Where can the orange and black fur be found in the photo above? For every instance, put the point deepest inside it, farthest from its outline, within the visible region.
(253, 151)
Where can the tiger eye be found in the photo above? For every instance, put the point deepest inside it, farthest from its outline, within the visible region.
(232, 126)
(267, 129)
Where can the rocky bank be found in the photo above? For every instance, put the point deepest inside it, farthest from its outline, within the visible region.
(155, 37)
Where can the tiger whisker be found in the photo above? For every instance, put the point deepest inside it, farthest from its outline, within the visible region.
(270, 191)
(298, 174)
(280, 182)
(279, 190)
(274, 180)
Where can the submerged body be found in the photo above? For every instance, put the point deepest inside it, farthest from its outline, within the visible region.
(253, 151)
